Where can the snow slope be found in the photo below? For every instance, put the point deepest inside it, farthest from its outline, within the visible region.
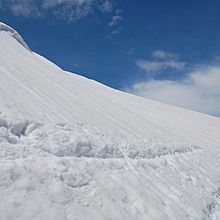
(72, 148)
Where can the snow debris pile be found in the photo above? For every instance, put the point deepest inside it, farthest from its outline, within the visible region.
(72, 148)
(76, 140)
(213, 209)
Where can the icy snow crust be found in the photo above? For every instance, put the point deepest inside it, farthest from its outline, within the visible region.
(71, 148)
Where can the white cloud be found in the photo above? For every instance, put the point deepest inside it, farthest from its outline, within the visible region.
(114, 23)
(68, 3)
(117, 30)
(163, 54)
(24, 8)
(72, 10)
(69, 10)
(199, 90)
(158, 66)
(107, 6)
(115, 20)
(166, 61)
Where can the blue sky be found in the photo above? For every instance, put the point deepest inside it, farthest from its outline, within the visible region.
(156, 49)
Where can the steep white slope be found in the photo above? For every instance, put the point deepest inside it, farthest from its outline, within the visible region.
(72, 148)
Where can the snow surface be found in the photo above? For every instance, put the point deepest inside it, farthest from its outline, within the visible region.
(14, 34)
(72, 148)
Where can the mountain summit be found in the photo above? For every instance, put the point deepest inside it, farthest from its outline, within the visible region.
(72, 148)
(14, 34)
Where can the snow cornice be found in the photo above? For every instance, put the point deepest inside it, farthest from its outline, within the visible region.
(14, 34)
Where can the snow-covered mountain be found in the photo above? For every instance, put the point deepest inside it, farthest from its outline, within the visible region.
(72, 148)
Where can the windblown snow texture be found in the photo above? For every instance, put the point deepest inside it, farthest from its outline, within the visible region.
(72, 148)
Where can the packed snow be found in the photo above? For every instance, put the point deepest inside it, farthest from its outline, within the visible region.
(72, 148)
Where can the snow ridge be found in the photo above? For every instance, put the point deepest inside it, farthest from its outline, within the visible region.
(14, 34)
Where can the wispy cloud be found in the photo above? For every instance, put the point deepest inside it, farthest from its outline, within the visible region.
(69, 10)
(161, 54)
(107, 6)
(159, 66)
(117, 30)
(199, 90)
(166, 61)
(24, 8)
(115, 20)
